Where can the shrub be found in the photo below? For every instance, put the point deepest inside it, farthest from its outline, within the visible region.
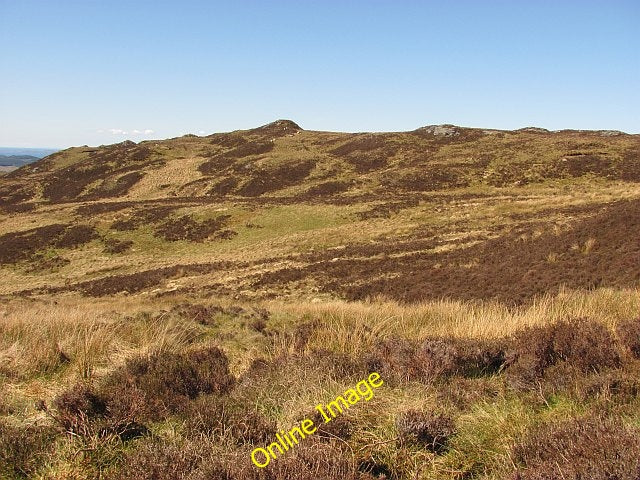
(75, 236)
(78, 406)
(593, 447)
(394, 358)
(435, 358)
(84, 412)
(186, 228)
(162, 383)
(582, 345)
(465, 357)
(629, 334)
(587, 345)
(145, 388)
(432, 431)
(156, 460)
(621, 386)
(23, 449)
(198, 313)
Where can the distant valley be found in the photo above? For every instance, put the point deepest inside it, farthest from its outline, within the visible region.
(12, 158)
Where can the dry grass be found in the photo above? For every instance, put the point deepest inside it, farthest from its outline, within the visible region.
(312, 352)
(353, 327)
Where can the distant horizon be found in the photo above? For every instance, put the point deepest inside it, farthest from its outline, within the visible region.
(97, 73)
(204, 134)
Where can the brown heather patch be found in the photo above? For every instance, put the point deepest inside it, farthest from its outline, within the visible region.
(433, 358)
(144, 389)
(143, 216)
(206, 314)
(158, 460)
(593, 448)
(629, 167)
(186, 228)
(628, 332)
(161, 384)
(367, 152)
(600, 251)
(224, 186)
(387, 209)
(270, 179)
(431, 178)
(12, 194)
(138, 281)
(221, 161)
(116, 167)
(18, 208)
(115, 188)
(114, 246)
(610, 388)
(76, 235)
(429, 430)
(17, 246)
(580, 345)
(227, 140)
(327, 188)
(24, 449)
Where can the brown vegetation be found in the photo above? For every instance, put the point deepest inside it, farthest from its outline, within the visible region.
(426, 429)
(593, 448)
(186, 228)
(18, 246)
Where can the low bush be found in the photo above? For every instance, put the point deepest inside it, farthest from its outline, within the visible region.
(593, 448)
(435, 358)
(429, 430)
(158, 460)
(23, 450)
(145, 388)
(161, 384)
(629, 334)
(582, 345)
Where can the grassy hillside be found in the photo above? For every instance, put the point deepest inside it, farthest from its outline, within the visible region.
(169, 306)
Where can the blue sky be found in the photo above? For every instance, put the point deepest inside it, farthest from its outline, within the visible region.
(85, 72)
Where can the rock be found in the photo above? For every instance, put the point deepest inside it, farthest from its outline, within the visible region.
(441, 130)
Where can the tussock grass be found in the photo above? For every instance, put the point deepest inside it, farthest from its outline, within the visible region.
(311, 352)
(82, 337)
(352, 327)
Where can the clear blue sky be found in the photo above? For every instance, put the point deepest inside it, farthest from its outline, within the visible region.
(76, 72)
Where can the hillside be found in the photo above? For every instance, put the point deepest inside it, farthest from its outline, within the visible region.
(519, 213)
(168, 307)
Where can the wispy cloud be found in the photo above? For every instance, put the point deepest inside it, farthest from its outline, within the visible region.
(120, 131)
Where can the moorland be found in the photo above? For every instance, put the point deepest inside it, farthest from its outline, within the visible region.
(168, 306)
